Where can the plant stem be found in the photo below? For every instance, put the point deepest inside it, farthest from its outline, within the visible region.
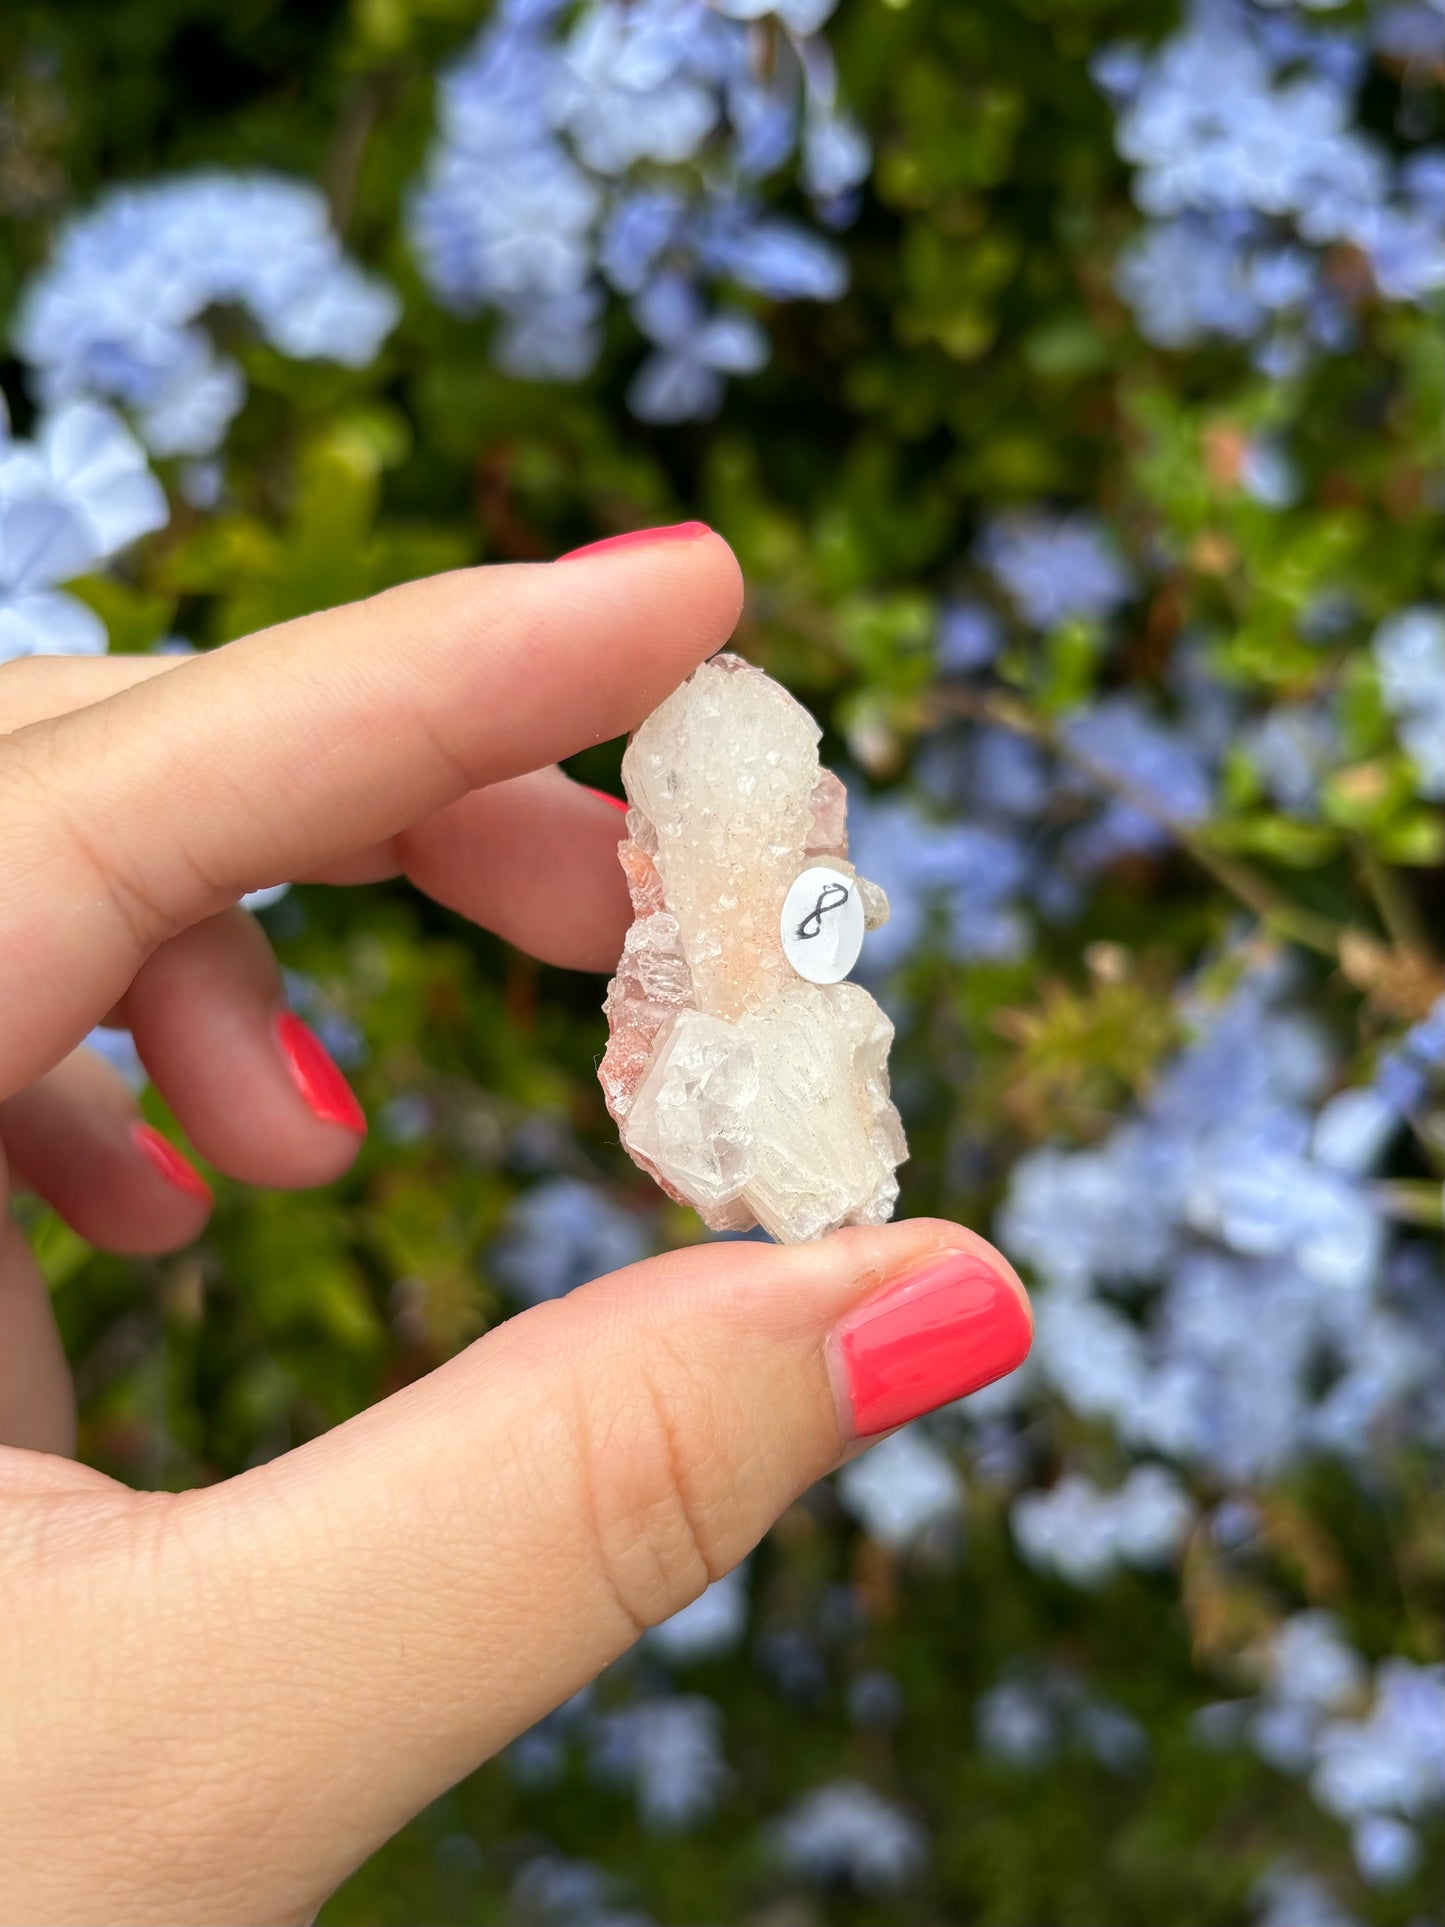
(1411, 1201)
(1398, 911)
(1239, 879)
(349, 144)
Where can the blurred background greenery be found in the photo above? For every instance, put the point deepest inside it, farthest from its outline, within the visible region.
(1025, 1743)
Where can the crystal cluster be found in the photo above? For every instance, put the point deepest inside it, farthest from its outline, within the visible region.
(747, 1091)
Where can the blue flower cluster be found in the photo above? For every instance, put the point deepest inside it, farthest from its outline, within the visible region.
(554, 1891)
(668, 1751)
(1409, 650)
(1156, 777)
(628, 147)
(1249, 163)
(1083, 1534)
(1025, 1720)
(118, 313)
(562, 1232)
(75, 495)
(1232, 1280)
(1370, 1745)
(966, 876)
(901, 1489)
(847, 1832)
(1039, 825)
(1054, 568)
(1254, 1205)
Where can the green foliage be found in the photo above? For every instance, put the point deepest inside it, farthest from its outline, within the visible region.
(982, 359)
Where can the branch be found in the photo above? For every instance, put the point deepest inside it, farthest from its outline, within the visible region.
(1243, 882)
(348, 147)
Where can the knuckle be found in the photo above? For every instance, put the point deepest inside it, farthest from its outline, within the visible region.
(464, 769)
(54, 818)
(655, 1533)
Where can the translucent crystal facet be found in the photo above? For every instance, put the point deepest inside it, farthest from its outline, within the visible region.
(747, 1091)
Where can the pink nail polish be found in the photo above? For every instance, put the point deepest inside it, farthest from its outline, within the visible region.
(936, 1334)
(173, 1167)
(617, 802)
(636, 538)
(315, 1075)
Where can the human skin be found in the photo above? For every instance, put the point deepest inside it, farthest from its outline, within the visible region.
(215, 1704)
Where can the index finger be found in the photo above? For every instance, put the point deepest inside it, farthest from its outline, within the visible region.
(133, 817)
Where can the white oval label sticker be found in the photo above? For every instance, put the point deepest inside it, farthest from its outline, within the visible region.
(822, 925)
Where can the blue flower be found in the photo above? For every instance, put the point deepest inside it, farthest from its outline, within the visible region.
(1017, 1722)
(1267, 475)
(1158, 777)
(968, 638)
(117, 312)
(901, 1488)
(836, 155)
(1387, 1851)
(846, 1832)
(683, 381)
(1246, 1220)
(1266, 1198)
(1116, 1740)
(1054, 567)
(670, 1752)
(639, 227)
(1240, 130)
(1084, 1534)
(1410, 33)
(1311, 1664)
(555, 338)
(1109, 1212)
(1353, 1130)
(989, 775)
(1212, 126)
(1289, 1897)
(1292, 750)
(77, 494)
(970, 874)
(1117, 70)
(497, 230)
(544, 183)
(875, 1701)
(629, 88)
(1409, 651)
(553, 1891)
(773, 257)
(1186, 282)
(1403, 1075)
(1393, 1758)
(563, 1232)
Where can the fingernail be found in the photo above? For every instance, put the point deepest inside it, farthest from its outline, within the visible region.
(617, 802)
(173, 1167)
(635, 538)
(941, 1331)
(315, 1075)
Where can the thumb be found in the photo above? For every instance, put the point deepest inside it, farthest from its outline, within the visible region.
(405, 1595)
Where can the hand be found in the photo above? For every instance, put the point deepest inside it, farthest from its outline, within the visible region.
(217, 1703)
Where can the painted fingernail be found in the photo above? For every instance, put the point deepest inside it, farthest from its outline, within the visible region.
(173, 1167)
(939, 1332)
(314, 1073)
(636, 538)
(617, 802)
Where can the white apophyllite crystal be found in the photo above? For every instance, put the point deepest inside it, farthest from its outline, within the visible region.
(748, 1083)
